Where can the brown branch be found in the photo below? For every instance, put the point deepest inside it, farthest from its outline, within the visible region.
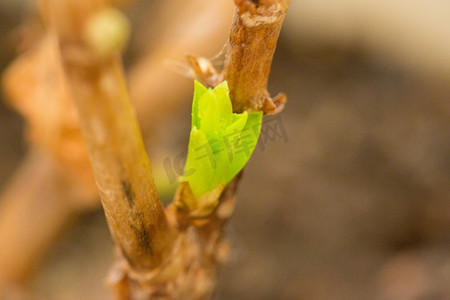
(200, 246)
(202, 236)
(37, 204)
(253, 38)
(121, 167)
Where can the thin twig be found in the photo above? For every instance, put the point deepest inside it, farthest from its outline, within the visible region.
(253, 38)
(121, 166)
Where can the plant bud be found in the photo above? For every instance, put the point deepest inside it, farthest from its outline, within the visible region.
(107, 32)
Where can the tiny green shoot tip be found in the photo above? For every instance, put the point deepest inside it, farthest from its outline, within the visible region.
(221, 142)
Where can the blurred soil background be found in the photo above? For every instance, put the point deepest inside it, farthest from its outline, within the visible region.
(353, 203)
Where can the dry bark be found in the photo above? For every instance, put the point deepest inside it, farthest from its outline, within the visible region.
(253, 38)
(115, 146)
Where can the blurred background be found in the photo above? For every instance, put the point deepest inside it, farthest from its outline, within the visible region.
(347, 195)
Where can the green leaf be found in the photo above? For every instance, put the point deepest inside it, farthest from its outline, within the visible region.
(221, 141)
(199, 90)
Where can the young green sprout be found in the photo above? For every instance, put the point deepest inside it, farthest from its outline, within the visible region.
(221, 141)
